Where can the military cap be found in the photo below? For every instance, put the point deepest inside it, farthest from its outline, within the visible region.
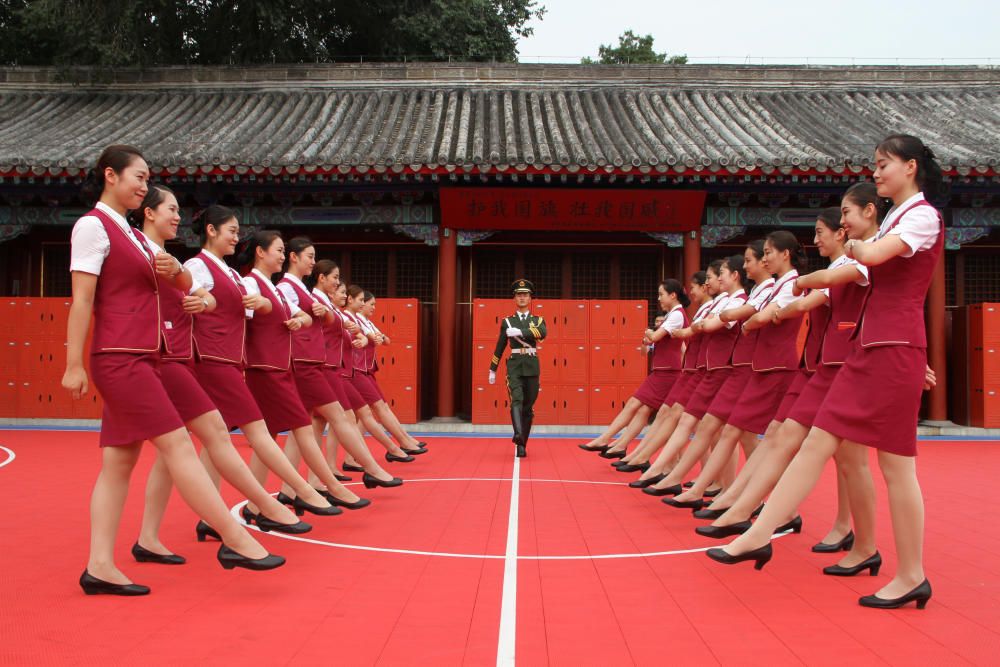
(522, 285)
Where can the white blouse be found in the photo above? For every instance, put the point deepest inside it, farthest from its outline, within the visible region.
(89, 242)
(918, 228)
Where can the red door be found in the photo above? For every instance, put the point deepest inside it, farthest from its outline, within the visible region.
(633, 364)
(633, 319)
(575, 363)
(575, 322)
(604, 363)
(551, 311)
(547, 405)
(574, 405)
(603, 404)
(604, 321)
(404, 320)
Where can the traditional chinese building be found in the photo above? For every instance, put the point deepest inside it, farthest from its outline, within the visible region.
(443, 182)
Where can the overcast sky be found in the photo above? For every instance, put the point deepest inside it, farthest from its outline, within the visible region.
(841, 32)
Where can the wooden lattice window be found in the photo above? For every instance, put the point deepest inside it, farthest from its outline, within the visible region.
(982, 278)
(415, 274)
(370, 270)
(56, 279)
(544, 270)
(494, 274)
(591, 276)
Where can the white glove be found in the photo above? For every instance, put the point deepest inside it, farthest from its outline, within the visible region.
(514, 332)
(493, 377)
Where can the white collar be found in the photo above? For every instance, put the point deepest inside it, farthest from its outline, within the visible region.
(122, 224)
(266, 280)
(895, 211)
(296, 281)
(228, 270)
(317, 292)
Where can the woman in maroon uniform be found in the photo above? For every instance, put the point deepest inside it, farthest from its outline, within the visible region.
(115, 281)
(879, 387)
(219, 357)
(672, 408)
(159, 217)
(310, 350)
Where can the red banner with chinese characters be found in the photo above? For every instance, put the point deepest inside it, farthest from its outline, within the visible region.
(595, 210)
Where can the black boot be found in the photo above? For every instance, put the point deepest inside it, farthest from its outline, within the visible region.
(528, 416)
(517, 421)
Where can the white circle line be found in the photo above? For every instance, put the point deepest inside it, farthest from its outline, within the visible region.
(235, 511)
(10, 456)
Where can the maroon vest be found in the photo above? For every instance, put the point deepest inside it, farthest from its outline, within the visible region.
(308, 345)
(668, 351)
(370, 354)
(176, 323)
(845, 309)
(745, 346)
(776, 350)
(333, 334)
(817, 324)
(691, 354)
(269, 342)
(346, 349)
(126, 300)
(220, 335)
(893, 312)
(720, 344)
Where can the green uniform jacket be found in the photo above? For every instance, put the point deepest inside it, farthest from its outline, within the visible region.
(533, 330)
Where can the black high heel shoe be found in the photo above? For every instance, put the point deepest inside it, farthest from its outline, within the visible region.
(230, 559)
(921, 594)
(696, 504)
(873, 564)
(371, 482)
(608, 454)
(634, 467)
(672, 490)
(342, 478)
(709, 513)
(712, 494)
(845, 544)
(267, 525)
(144, 555)
(718, 532)
(350, 467)
(643, 483)
(360, 503)
(760, 556)
(205, 531)
(91, 585)
(301, 507)
(284, 498)
(795, 525)
(392, 458)
(598, 448)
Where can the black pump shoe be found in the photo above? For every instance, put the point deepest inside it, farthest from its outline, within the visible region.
(143, 555)
(634, 467)
(204, 531)
(921, 594)
(795, 525)
(350, 467)
(590, 448)
(696, 504)
(91, 585)
(712, 494)
(230, 559)
(719, 532)
(337, 502)
(301, 507)
(371, 482)
(392, 458)
(845, 544)
(284, 498)
(873, 564)
(760, 556)
(671, 490)
(643, 483)
(607, 454)
(342, 478)
(267, 525)
(709, 513)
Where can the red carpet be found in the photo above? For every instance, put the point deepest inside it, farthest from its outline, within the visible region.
(363, 607)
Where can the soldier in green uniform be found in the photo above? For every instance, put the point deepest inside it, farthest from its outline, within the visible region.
(522, 331)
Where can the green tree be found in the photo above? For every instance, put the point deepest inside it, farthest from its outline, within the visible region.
(144, 33)
(633, 50)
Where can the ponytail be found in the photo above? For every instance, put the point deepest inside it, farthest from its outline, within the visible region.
(263, 239)
(215, 215)
(907, 147)
(324, 267)
(671, 286)
(864, 193)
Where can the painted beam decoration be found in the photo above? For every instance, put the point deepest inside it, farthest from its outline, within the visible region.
(646, 210)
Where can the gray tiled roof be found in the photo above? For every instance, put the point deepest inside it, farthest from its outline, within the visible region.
(716, 119)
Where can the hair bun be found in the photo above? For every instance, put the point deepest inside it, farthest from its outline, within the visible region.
(928, 153)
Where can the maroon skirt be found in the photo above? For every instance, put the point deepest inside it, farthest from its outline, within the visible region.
(378, 388)
(655, 388)
(336, 383)
(136, 404)
(354, 399)
(729, 395)
(706, 392)
(878, 392)
(813, 395)
(278, 398)
(681, 393)
(792, 395)
(760, 400)
(227, 387)
(362, 382)
(185, 392)
(313, 388)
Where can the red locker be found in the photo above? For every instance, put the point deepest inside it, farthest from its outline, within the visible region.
(8, 397)
(484, 406)
(551, 311)
(633, 364)
(574, 363)
(401, 360)
(990, 316)
(482, 355)
(573, 405)
(575, 322)
(604, 321)
(10, 313)
(546, 407)
(486, 316)
(603, 404)
(633, 317)
(403, 320)
(402, 398)
(604, 363)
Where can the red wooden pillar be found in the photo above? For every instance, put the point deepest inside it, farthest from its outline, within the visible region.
(692, 256)
(937, 356)
(447, 272)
